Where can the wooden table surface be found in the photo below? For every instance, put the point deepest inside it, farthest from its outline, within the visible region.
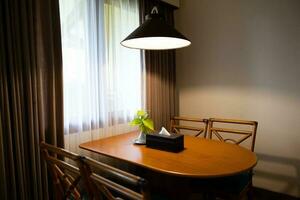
(201, 158)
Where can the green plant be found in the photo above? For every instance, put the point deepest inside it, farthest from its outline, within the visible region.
(143, 121)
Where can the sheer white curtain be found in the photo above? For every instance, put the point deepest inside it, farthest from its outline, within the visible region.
(102, 80)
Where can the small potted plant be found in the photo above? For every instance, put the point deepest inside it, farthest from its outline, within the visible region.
(145, 124)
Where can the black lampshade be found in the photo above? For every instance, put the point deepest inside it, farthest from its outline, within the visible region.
(155, 34)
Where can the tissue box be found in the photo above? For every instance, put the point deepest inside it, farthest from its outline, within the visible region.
(173, 143)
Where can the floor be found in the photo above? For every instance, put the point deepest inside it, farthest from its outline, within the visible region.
(261, 194)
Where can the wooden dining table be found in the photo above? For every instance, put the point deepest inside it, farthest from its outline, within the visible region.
(200, 159)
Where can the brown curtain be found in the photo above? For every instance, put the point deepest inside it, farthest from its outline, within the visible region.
(160, 72)
(31, 101)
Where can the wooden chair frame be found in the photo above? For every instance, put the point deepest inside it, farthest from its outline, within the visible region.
(246, 133)
(177, 127)
(93, 182)
(64, 185)
(100, 183)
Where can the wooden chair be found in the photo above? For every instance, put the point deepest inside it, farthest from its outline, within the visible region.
(99, 184)
(199, 125)
(65, 176)
(220, 132)
(238, 186)
(94, 186)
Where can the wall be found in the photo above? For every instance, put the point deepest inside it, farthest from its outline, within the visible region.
(244, 62)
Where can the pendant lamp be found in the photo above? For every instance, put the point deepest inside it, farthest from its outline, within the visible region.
(155, 34)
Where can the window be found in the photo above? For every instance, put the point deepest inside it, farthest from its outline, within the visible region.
(102, 79)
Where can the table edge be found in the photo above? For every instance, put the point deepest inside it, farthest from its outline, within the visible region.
(172, 172)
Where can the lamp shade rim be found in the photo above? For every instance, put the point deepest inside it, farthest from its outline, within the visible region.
(156, 43)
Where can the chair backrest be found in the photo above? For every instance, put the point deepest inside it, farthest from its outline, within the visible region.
(96, 186)
(196, 125)
(135, 186)
(65, 176)
(242, 129)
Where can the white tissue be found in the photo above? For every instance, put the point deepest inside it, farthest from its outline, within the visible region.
(164, 131)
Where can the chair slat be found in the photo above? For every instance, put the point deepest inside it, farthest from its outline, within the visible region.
(116, 187)
(189, 119)
(233, 121)
(59, 151)
(129, 178)
(64, 164)
(95, 184)
(227, 130)
(199, 125)
(217, 131)
(188, 128)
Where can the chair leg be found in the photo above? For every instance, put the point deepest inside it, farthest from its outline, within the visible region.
(209, 196)
(250, 192)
